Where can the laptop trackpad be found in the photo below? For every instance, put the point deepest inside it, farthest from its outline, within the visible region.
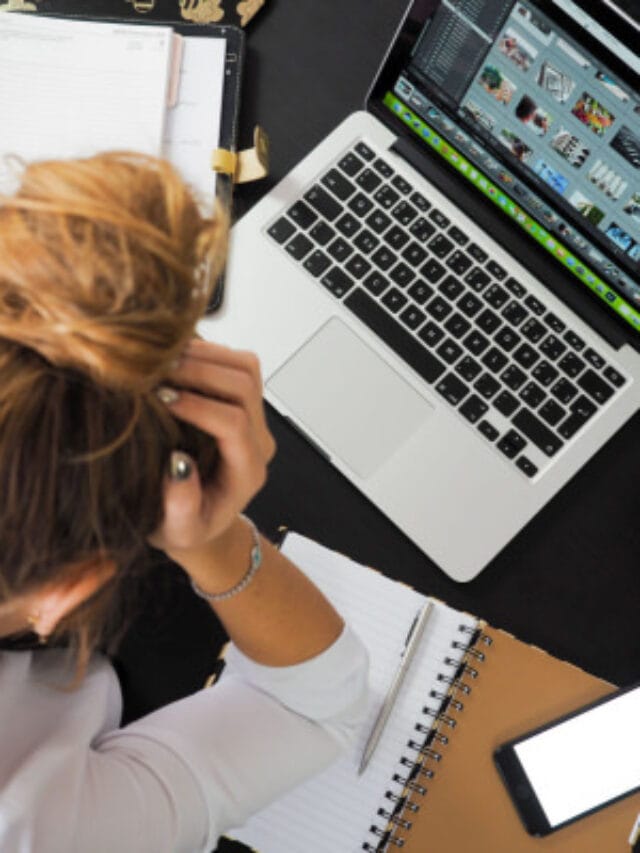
(348, 397)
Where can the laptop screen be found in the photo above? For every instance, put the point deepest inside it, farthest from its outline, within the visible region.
(524, 101)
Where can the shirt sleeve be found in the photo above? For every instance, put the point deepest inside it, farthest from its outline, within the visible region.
(183, 775)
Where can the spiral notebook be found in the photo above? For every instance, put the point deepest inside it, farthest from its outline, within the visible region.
(431, 786)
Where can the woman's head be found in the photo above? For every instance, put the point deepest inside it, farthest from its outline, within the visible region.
(105, 266)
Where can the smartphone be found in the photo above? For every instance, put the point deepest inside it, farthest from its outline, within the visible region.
(576, 764)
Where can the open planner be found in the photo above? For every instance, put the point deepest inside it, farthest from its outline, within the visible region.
(431, 786)
(71, 87)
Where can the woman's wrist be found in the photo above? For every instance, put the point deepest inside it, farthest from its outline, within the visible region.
(220, 564)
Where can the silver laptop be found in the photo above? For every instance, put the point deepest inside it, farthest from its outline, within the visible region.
(396, 325)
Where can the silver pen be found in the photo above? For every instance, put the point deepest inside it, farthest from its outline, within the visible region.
(410, 646)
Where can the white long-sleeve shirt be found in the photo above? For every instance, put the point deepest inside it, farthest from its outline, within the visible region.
(72, 781)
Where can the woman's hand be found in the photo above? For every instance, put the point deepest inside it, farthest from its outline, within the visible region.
(219, 391)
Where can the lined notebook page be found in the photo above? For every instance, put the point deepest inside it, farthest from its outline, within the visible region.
(72, 88)
(333, 811)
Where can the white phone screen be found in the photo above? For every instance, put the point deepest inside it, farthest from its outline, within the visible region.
(587, 760)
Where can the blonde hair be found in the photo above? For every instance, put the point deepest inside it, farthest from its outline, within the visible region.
(106, 264)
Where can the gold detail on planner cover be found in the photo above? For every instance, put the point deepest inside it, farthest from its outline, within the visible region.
(202, 11)
(142, 6)
(246, 9)
(18, 6)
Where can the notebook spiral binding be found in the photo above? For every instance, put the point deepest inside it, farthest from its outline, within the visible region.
(443, 720)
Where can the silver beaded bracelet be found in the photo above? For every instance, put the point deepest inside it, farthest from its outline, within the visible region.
(255, 561)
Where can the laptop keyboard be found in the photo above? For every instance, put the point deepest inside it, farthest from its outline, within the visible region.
(511, 368)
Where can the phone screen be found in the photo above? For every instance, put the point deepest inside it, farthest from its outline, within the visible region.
(580, 763)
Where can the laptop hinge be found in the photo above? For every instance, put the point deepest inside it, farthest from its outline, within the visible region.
(519, 245)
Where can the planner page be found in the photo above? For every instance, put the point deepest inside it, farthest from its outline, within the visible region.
(335, 810)
(71, 88)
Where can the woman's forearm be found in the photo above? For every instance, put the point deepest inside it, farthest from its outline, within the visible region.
(280, 618)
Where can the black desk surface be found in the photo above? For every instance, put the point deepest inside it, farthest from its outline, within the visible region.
(570, 581)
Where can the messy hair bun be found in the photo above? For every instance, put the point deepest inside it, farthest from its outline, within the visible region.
(105, 266)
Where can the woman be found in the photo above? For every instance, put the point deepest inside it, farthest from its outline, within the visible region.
(107, 404)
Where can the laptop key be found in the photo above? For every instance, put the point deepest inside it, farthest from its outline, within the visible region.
(564, 391)
(458, 236)
(554, 322)
(340, 249)
(439, 218)
(537, 432)
(470, 305)
(468, 368)
(383, 258)
(494, 359)
(404, 213)
(394, 300)
(412, 317)
(551, 412)
(350, 164)
(487, 321)
(594, 359)
(360, 204)
(357, 266)
(338, 184)
(376, 283)
(457, 326)
(534, 305)
(533, 330)
(506, 338)
(366, 242)
(368, 180)
(337, 282)
(299, 246)
(451, 287)
(420, 292)
(515, 287)
(532, 394)
(438, 308)
(496, 296)
(506, 403)
(364, 151)
(580, 412)
(378, 221)
(431, 334)
(396, 237)
(552, 347)
(545, 373)
(476, 252)
(473, 409)
(514, 313)
(475, 342)
(402, 274)
(574, 341)
(452, 389)
(386, 196)
(302, 214)
(526, 356)
(401, 185)
(526, 466)
(383, 167)
(494, 268)
(414, 254)
(513, 377)
(317, 262)
(421, 229)
(440, 245)
(449, 351)
(477, 279)
(571, 364)
(459, 262)
(432, 270)
(614, 377)
(324, 203)
(420, 201)
(400, 341)
(487, 386)
(595, 386)
(322, 233)
(281, 230)
(511, 444)
(488, 430)
(348, 225)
